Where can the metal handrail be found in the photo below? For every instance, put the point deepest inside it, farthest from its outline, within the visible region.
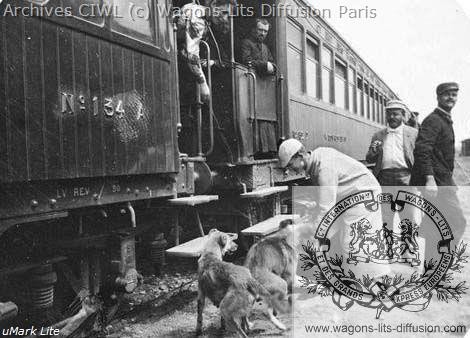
(211, 110)
(281, 103)
(254, 116)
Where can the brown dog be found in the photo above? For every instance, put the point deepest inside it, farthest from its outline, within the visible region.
(230, 287)
(273, 262)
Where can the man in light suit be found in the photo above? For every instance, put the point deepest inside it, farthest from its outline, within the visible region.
(392, 148)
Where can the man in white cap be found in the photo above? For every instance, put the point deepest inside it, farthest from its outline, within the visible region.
(337, 176)
(391, 148)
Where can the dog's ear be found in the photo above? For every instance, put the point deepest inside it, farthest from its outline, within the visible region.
(233, 236)
(213, 230)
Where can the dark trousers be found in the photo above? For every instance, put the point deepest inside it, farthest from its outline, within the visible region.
(394, 177)
(448, 204)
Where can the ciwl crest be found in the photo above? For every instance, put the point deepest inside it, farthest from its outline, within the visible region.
(384, 246)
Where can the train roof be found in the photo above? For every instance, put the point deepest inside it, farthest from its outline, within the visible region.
(346, 46)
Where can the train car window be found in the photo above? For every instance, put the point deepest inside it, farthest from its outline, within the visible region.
(377, 108)
(352, 90)
(360, 95)
(327, 64)
(134, 19)
(162, 24)
(366, 100)
(381, 105)
(312, 65)
(93, 11)
(340, 84)
(372, 104)
(294, 34)
(294, 57)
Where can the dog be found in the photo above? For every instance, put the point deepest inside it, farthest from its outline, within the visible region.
(229, 287)
(273, 262)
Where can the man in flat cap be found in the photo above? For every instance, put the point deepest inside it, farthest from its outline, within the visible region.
(435, 146)
(434, 159)
(391, 148)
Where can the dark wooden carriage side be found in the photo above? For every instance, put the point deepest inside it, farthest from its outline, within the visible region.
(81, 106)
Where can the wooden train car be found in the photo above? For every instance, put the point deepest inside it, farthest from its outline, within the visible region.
(89, 145)
(87, 103)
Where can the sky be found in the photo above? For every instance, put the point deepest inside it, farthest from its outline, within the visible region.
(413, 45)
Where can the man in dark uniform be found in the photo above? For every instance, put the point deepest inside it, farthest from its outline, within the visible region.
(255, 51)
(434, 158)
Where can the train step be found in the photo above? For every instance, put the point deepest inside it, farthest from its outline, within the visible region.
(193, 200)
(264, 192)
(269, 226)
(193, 248)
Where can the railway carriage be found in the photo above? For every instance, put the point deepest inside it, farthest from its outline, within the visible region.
(96, 146)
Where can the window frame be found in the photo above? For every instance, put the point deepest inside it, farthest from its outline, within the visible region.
(105, 33)
(330, 70)
(338, 62)
(309, 37)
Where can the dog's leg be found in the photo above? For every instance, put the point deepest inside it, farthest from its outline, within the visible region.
(275, 321)
(200, 308)
(222, 323)
(237, 325)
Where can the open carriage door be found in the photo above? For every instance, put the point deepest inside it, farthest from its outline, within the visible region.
(257, 97)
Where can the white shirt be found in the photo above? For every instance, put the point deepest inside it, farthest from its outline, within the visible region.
(393, 149)
(339, 176)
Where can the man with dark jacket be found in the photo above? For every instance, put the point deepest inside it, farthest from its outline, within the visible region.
(435, 146)
(434, 158)
(255, 51)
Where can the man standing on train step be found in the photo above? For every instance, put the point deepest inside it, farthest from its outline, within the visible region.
(391, 149)
(434, 157)
(255, 52)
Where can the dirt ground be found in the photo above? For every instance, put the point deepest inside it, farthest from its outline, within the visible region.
(175, 315)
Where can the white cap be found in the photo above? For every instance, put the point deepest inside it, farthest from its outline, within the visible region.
(397, 104)
(287, 150)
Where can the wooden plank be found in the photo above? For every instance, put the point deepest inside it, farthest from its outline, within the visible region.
(167, 118)
(34, 90)
(149, 101)
(3, 108)
(132, 164)
(119, 118)
(193, 248)
(96, 114)
(17, 139)
(144, 143)
(159, 114)
(67, 107)
(107, 94)
(51, 94)
(83, 105)
(268, 226)
(264, 192)
(193, 200)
